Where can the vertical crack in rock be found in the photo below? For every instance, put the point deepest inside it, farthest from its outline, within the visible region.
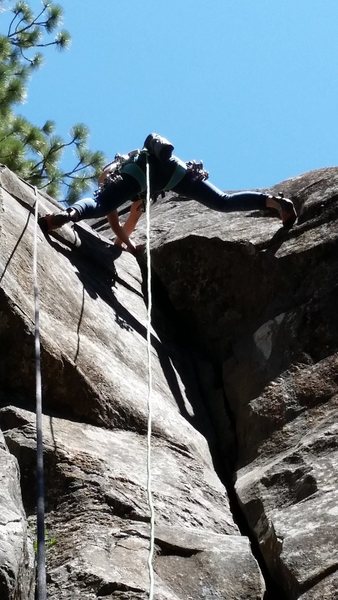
(207, 375)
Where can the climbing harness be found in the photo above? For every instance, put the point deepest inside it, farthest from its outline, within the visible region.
(123, 163)
(149, 488)
(40, 492)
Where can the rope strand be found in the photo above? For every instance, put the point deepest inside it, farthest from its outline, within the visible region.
(40, 491)
(149, 488)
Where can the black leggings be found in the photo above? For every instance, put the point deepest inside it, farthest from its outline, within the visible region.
(108, 199)
(214, 198)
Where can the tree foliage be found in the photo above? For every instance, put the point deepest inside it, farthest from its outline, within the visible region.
(33, 152)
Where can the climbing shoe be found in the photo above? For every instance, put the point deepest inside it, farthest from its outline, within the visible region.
(54, 221)
(286, 209)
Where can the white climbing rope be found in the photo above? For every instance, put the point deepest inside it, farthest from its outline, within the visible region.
(149, 486)
(40, 492)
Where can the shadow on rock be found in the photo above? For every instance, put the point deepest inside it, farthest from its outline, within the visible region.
(100, 283)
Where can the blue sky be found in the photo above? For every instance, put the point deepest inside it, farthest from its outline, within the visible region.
(249, 86)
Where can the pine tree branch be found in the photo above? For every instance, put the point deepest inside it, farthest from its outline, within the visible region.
(79, 167)
(50, 152)
(73, 177)
(10, 25)
(16, 32)
(28, 26)
(46, 44)
(42, 187)
(21, 52)
(76, 168)
(6, 137)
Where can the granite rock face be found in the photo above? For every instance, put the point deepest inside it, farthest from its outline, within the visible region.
(16, 549)
(93, 326)
(244, 346)
(98, 515)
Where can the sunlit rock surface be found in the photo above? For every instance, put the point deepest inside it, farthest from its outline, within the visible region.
(244, 360)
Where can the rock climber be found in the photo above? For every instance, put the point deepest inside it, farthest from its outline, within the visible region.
(124, 179)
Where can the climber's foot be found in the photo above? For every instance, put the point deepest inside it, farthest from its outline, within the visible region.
(54, 221)
(286, 209)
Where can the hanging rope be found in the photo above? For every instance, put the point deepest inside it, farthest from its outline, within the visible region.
(149, 488)
(40, 491)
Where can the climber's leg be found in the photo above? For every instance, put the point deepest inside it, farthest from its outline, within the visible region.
(214, 198)
(109, 198)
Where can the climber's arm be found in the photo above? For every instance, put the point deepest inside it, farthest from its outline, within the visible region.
(133, 217)
(122, 236)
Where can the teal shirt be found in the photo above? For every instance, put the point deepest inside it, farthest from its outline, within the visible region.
(164, 175)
